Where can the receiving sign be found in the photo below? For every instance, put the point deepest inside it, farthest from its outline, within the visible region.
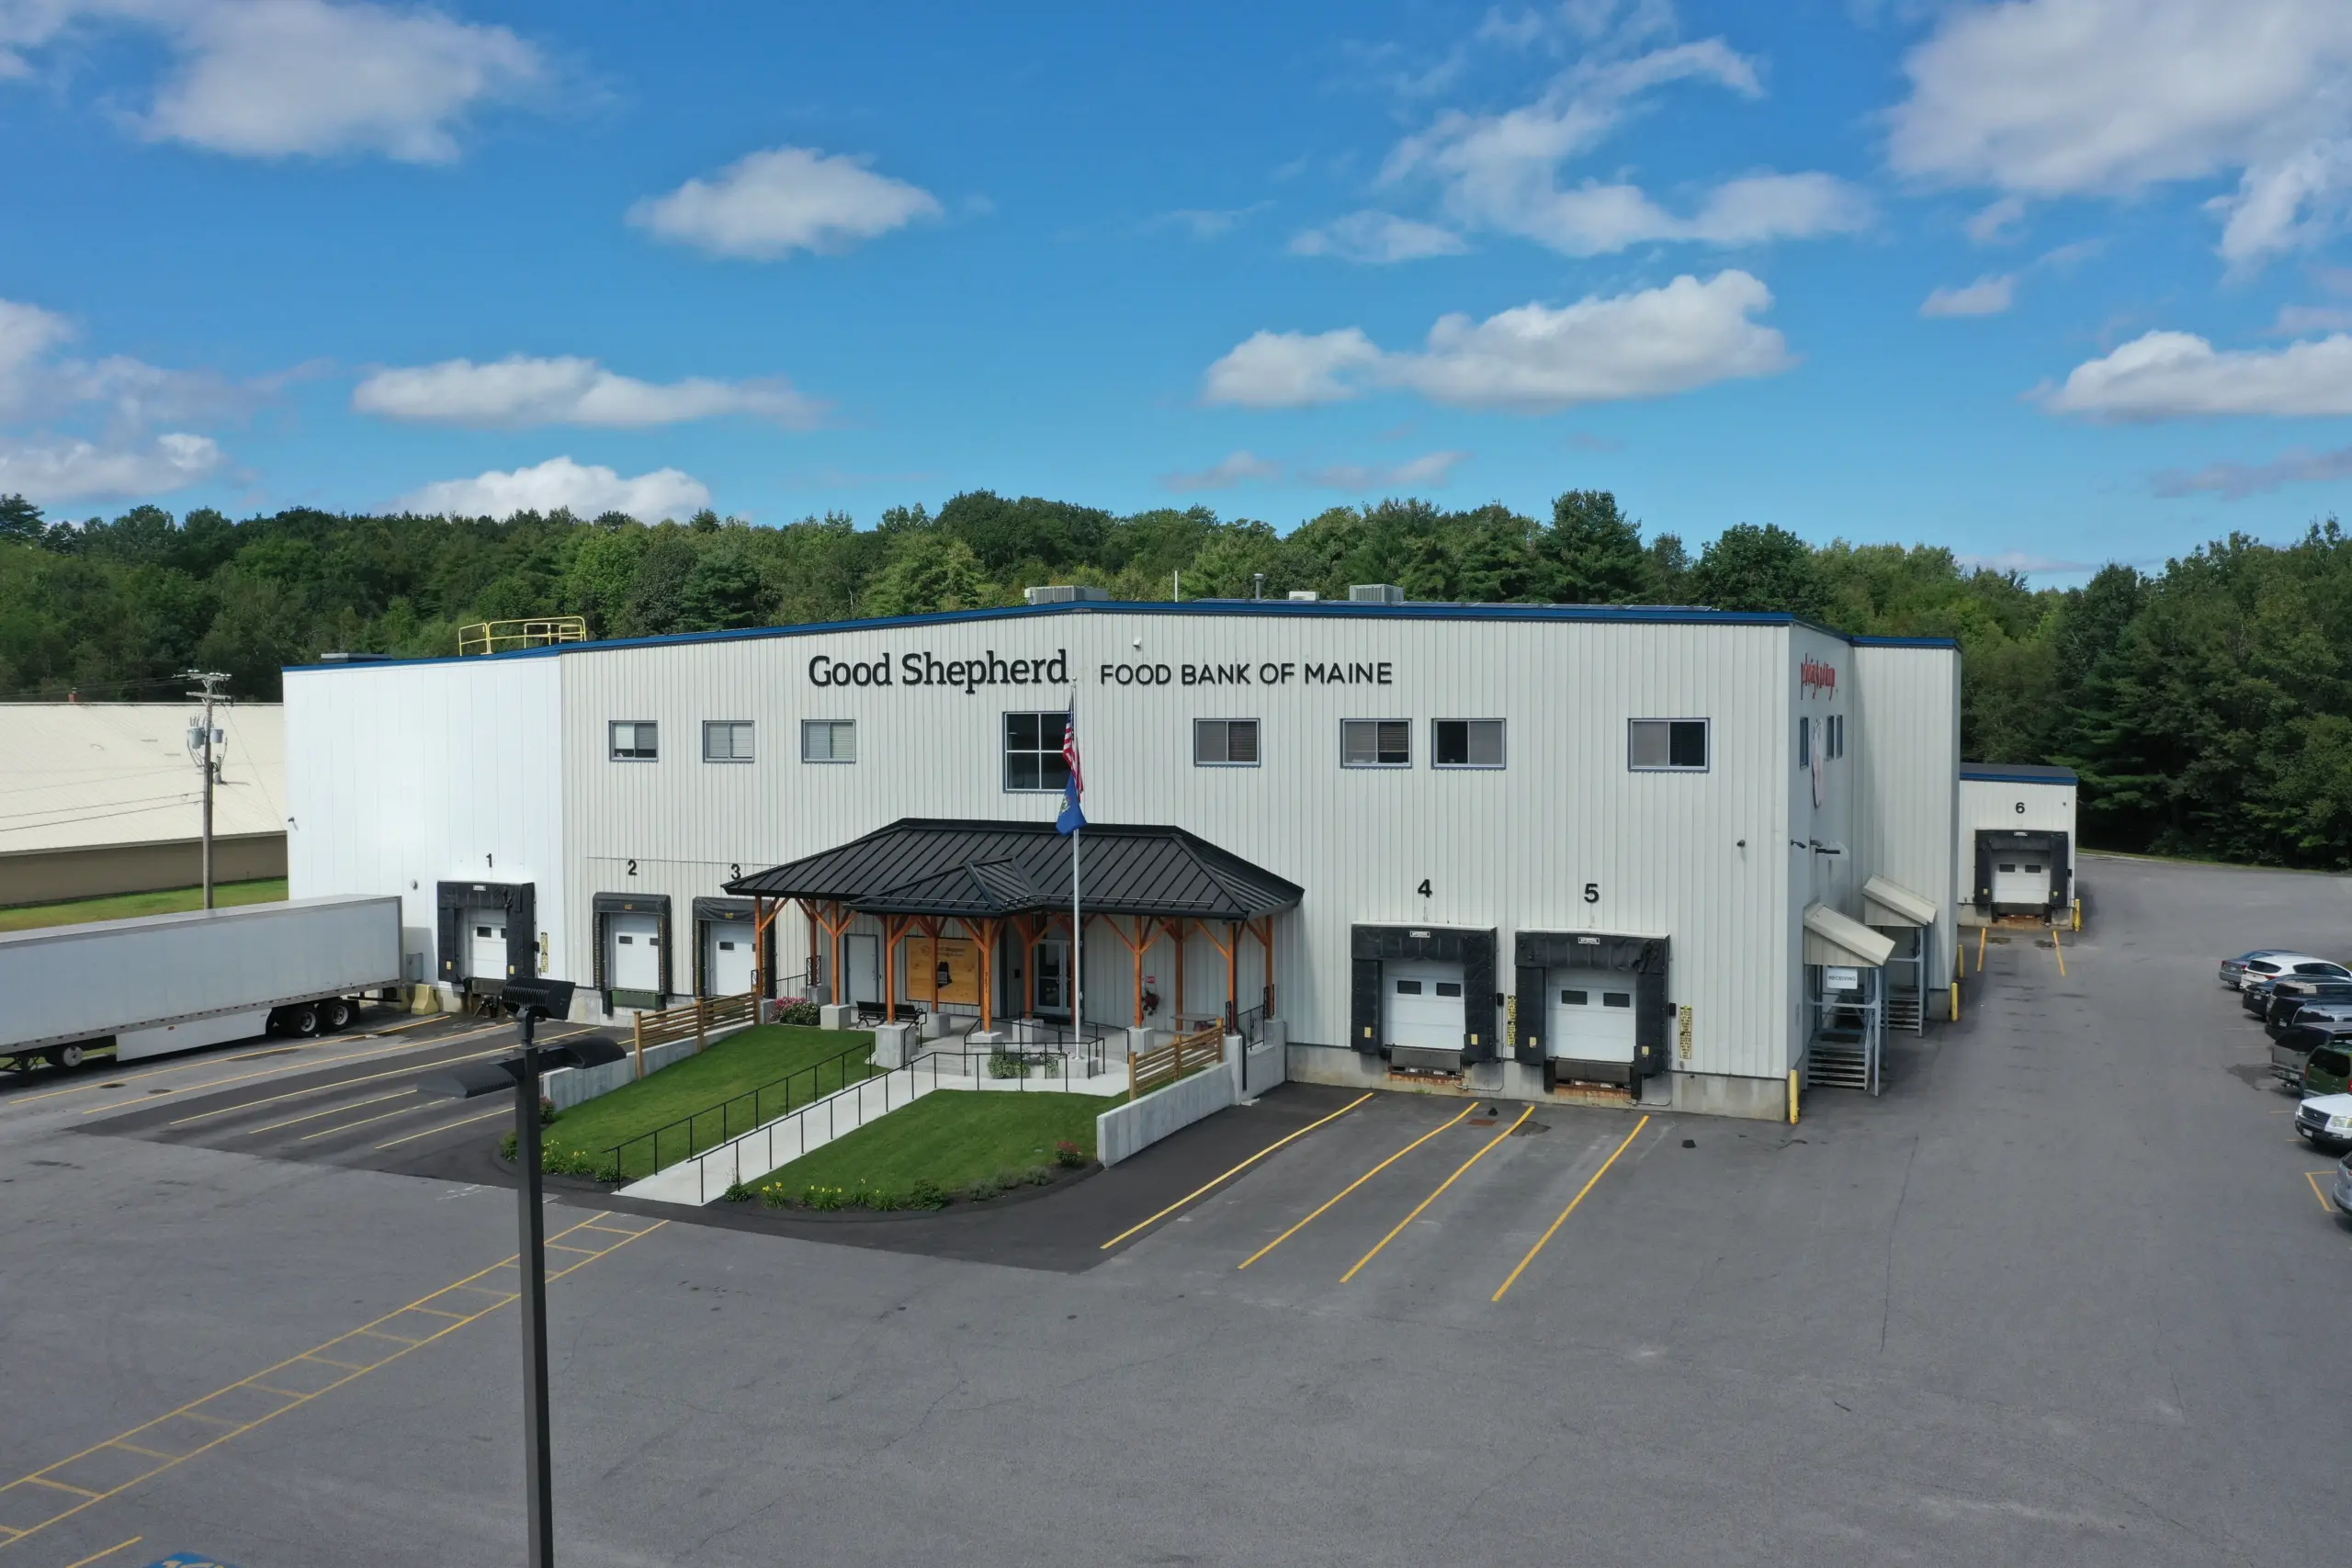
(1840, 977)
(945, 970)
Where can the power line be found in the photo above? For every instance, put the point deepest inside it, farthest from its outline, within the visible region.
(116, 807)
(97, 816)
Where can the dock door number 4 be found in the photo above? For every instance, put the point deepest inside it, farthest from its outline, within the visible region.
(1591, 891)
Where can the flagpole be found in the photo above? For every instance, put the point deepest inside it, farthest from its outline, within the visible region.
(1077, 947)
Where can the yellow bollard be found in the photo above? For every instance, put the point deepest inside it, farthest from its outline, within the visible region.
(1955, 1001)
(1793, 1097)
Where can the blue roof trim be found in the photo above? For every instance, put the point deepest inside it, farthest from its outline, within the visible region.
(1996, 773)
(1332, 609)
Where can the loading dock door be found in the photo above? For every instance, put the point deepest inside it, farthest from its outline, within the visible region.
(1423, 1004)
(2020, 879)
(1589, 1014)
(726, 957)
(633, 953)
(486, 945)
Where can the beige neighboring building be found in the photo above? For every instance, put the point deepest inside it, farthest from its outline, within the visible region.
(104, 797)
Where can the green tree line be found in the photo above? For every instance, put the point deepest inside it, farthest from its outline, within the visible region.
(2208, 706)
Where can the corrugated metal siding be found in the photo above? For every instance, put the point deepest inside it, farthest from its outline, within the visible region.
(1985, 803)
(1908, 751)
(421, 773)
(1510, 849)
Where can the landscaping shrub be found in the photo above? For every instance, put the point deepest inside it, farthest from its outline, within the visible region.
(1038, 1175)
(1068, 1155)
(507, 1146)
(882, 1200)
(1007, 1065)
(799, 1009)
(826, 1198)
(985, 1187)
(736, 1193)
(775, 1195)
(926, 1194)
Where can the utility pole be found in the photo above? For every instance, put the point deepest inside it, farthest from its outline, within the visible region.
(201, 745)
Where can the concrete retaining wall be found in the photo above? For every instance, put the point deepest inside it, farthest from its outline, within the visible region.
(1134, 1127)
(568, 1086)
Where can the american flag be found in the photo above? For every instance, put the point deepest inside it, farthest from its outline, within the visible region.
(1070, 751)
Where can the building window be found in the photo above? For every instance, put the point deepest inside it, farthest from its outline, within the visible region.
(1837, 734)
(727, 741)
(1032, 751)
(1466, 743)
(1805, 743)
(636, 740)
(829, 740)
(1376, 743)
(1669, 746)
(1224, 742)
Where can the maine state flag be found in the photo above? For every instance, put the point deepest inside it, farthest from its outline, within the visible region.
(1073, 816)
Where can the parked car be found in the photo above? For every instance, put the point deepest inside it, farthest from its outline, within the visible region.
(2233, 969)
(2289, 998)
(2290, 1051)
(2341, 1187)
(2325, 1014)
(2328, 1069)
(2261, 973)
(2326, 1118)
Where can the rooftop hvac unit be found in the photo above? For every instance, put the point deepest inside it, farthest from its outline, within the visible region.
(1377, 593)
(1066, 593)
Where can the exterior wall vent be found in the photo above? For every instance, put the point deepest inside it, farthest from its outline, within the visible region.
(1066, 593)
(1377, 593)
(1304, 595)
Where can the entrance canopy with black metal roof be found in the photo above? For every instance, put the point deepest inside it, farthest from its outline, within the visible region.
(920, 867)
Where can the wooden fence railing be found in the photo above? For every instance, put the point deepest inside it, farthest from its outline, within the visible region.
(1180, 1057)
(694, 1021)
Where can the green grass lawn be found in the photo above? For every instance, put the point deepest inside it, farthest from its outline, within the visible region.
(953, 1137)
(122, 906)
(736, 1065)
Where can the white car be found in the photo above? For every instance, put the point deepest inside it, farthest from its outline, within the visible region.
(2326, 1118)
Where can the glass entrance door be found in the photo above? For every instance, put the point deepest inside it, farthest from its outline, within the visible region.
(1053, 975)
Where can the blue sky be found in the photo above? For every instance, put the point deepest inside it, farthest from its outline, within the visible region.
(2052, 281)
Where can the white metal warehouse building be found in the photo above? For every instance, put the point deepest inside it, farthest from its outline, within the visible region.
(1491, 848)
(2017, 838)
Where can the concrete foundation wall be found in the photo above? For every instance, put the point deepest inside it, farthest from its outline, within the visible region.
(1716, 1094)
(1132, 1128)
(52, 876)
(568, 1086)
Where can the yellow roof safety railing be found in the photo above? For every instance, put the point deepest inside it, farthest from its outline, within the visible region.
(505, 636)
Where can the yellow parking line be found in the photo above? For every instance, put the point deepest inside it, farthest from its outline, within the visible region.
(316, 1088)
(190, 1411)
(134, 1448)
(1229, 1176)
(2317, 1191)
(1352, 1186)
(452, 1127)
(1571, 1209)
(2060, 949)
(422, 1104)
(110, 1552)
(1433, 1197)
(331, 1110)
(60, 1486)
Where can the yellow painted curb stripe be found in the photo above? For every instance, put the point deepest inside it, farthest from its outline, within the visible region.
(1571, 1209)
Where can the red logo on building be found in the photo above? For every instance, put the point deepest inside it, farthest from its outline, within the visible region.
(1813, 675)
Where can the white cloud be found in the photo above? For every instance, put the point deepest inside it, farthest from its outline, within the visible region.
(1996, 222)
(1985, 297)
(1288, 370)
(1207, 222)
(2045, 98)
(772, 203)
(80, 470)
(2238, 480)
(1237, 468)
(2163, 374)
(287, 77)
(1431, 470)
(1534, 358)
(35, 381)
(2021, 561)
(560, 483)
(519, 391)
(1502, 172)
(2295, 320)
(1376, 238)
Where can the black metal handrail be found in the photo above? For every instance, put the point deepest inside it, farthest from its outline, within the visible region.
(688, 1131)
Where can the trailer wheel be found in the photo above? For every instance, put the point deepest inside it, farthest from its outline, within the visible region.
(302, 1020)
(339, 1013)
(66, 1056)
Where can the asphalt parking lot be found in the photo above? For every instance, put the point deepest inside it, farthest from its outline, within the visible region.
(2064, 1295)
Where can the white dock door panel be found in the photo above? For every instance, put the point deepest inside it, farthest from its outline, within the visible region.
(633, 952)
(1590, 1015)
(2021, 877)
(1424, 1004)
(486, 945)
(861, 959)
(726, 957)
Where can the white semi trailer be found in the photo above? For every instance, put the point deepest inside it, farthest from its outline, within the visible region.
(173, 982)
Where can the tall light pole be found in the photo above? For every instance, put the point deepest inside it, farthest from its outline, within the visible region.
(530, 1000)
(199, 743)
